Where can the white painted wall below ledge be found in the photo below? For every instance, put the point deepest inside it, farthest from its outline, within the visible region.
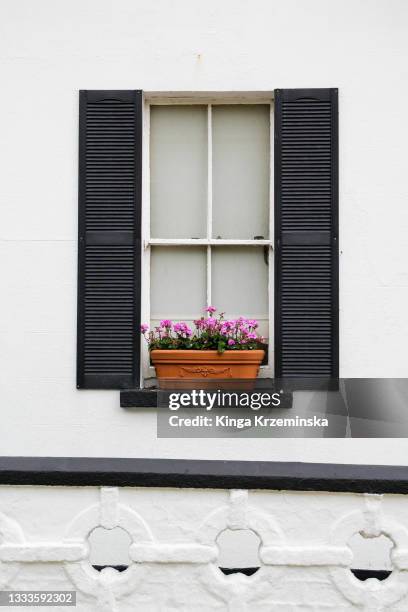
(302, 546)
(49, 51)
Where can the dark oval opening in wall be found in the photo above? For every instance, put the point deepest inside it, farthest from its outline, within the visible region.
(238, 551)
(371, 556)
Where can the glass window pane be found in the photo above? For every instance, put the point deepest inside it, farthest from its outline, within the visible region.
(241, 157)
(178, 282)
(240, 283)
(178, 171)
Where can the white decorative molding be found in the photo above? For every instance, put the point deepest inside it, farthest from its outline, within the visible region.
(371, 521)
(304, 556)
(44, 553)
(10, 533)
(173, 553)
(307, 555)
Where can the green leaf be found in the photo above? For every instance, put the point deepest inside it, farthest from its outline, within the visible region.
(221, 346)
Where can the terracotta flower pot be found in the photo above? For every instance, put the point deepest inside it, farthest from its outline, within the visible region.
(188, 369)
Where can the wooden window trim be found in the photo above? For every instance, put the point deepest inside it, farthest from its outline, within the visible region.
(207, 99)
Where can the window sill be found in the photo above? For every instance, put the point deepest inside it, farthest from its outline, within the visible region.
(147, 398)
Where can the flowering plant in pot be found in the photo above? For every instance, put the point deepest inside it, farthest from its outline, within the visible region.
(217, 349)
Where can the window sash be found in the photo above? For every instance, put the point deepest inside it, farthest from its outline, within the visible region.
(147, 371)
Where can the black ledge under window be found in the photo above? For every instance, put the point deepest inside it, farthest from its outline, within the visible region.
(148, 397)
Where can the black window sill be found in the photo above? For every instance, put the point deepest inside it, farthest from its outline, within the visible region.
(138, 398)
(147, 398)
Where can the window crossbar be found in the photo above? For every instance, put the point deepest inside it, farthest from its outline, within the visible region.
(205, 242)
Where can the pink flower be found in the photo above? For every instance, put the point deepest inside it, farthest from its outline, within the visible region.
(183, 329)
(166, 323)
(227, 327)
(210, 309)
(210, 323)
(231, 342)
(144, 328)
(252, 323)
(251, 336)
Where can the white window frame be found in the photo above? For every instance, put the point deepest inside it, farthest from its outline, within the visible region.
(147, 372)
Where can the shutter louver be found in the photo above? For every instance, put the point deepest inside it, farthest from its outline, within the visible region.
(109, 239)
(306, 233)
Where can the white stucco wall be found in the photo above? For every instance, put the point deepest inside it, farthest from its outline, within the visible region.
(49, 50)
(171, 541)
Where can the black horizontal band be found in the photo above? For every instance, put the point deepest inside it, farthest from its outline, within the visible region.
(92, 471)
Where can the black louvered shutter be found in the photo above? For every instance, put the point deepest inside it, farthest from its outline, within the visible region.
(306, 233)
(109, 276)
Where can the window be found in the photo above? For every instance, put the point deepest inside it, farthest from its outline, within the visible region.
(201, 171)
(207, 222)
